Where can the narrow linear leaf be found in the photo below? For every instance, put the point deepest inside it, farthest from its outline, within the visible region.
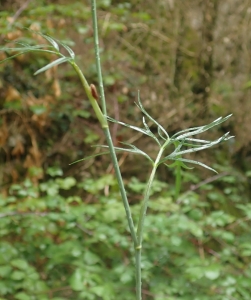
(12, 56)
(48, 38)
(88, 157)
(69, 50)
(201, 128)
(127, 125)
(26, 51)
(138, 150)
(25, 47)
(160, 133)
(52, 64)
(141, 107)
(198, 141)
(148, 130)
(173, 165)
(134, 150)
(196, 163)
(176, 152)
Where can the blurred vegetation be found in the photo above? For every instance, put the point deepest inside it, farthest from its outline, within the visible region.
(63, 234)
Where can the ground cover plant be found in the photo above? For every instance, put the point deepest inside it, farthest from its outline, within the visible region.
(180, 143)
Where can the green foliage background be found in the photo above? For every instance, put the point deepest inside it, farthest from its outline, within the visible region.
(63, 233)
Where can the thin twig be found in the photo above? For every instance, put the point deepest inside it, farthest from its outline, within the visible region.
(208, 180)
(19, 11)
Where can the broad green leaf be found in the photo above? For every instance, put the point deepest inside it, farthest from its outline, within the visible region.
(22, 296)
(19, 263)
(212, 272)
(66, 183)
(17, 275)
(77, 281)
(5, 271)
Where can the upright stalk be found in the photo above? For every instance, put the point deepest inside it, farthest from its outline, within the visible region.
(97, 56)
(142, 215)
(107, 130)
(177, 181)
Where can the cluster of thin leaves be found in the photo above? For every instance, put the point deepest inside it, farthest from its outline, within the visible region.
(181, 139)
(53, 48)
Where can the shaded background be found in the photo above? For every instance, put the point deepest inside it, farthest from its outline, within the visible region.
(62, 227)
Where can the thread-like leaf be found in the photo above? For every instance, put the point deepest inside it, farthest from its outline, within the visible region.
(198, 141)
(148, 130)
(127, 125)
(160, 134)
(196, 163)
(198, 130)
(52, 64)
(141, 107)
(48, 38)
(176, 152)
(138, 150)
(134, 150)
(88, 157)
(173, 165)
(12, 56)
(69, 50)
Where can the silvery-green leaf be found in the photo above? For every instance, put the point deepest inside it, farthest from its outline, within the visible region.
(181, 164)
(138, 150)
(176, 152)
(72, 54)
(160, 134)
(198, 141)
(134, 150)
(22, 51)
(48, 38)
(198, 130)
(198, 163)
(52, 64)
(127, 125)
(141, 107)
(148, 130)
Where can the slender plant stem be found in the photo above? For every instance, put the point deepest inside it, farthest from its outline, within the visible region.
(102, 119)
(121, 186)
(177, 181)
(138, 273)
(142, 215)
(98, 64)
(107, 131)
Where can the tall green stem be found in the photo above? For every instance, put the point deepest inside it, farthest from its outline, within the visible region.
(107, 131)
(177, 181)
(97, 56)
(142, 215)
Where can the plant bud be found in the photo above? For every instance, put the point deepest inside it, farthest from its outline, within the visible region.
(94, 91)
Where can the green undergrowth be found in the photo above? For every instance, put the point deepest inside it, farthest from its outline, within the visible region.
(55, 246)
